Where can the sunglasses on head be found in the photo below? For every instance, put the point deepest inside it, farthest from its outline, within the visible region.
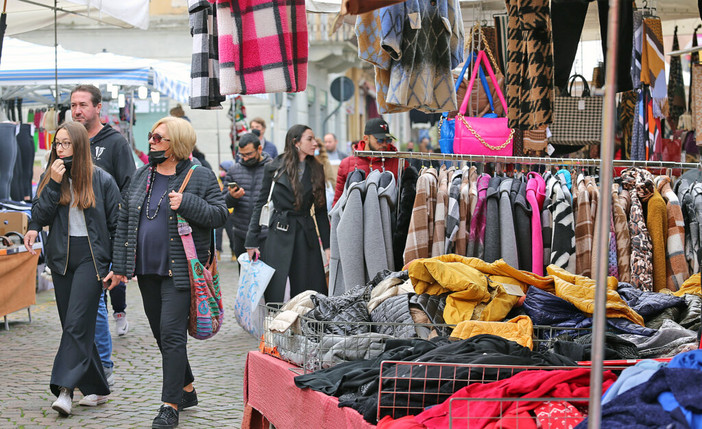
(157, 137)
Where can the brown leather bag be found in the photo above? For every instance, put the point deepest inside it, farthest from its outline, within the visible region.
(357, 7)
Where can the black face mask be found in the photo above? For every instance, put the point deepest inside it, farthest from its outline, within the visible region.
(68, 162)
(157, 156)
(251, 162)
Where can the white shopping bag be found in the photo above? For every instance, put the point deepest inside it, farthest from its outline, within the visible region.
(253, 280)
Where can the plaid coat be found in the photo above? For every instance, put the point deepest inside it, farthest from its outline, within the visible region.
(621, 231)
(453, 216)
(676, 265)
(438, 242)
(583, 230)
(263, 46)
(421, 229)
(464, 213)
(204, 71)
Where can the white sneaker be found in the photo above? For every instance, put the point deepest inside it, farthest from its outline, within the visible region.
(109, 374)
(63, 403)
(93, 400)
(122, 323)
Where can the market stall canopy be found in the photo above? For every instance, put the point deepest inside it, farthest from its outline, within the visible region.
(28, 15)
(27, 68)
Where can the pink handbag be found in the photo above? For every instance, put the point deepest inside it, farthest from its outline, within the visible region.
(487, 135)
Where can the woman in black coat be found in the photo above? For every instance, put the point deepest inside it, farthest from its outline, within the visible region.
(79, 202)
(293, 243)
(147, 244)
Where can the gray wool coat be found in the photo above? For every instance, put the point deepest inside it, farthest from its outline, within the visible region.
(508, 239)
(387, 195)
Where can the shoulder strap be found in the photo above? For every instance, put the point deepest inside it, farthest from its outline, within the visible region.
(187, 179)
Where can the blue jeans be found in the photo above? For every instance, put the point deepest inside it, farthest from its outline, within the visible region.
(103, 338)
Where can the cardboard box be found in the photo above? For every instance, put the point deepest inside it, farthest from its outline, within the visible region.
(13, 221)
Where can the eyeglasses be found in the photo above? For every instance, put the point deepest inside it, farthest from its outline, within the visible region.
(157, 137)
(385, 140)
(65, 144)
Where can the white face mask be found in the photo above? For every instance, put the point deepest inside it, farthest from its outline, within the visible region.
(316, 152)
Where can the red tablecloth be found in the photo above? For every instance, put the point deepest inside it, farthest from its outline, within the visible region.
(269, 389)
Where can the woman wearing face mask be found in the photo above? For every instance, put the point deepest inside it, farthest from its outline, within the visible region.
(79, 203)
(147, 245)
(292, 246)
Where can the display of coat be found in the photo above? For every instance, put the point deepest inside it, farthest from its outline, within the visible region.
(522, 227)
(492, 220)
(387, 196)
(508, 239)
(676, 266)
(641, 251)
(657, 224)
(464, 213)
(584, 227)
(349, 233)
(442, 199)
(421, 230)
(476, 235)
(535, 196)
(621, 230)
(453, 214)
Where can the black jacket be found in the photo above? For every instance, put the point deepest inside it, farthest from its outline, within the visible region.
(250, 179)
(100, 221)
(202, 206)
(112, 153)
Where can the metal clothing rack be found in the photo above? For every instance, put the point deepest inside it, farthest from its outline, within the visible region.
(527, 160)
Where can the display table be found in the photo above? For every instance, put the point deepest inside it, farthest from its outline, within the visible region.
(18, 282)
(271, 396)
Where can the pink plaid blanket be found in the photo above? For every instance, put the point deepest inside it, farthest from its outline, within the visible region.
(262, 46)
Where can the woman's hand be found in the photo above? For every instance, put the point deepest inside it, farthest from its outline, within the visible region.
(113, 280)
(57, 170)
(254, 254)
(29, 238)
(175, 199)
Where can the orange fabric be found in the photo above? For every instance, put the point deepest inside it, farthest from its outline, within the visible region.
(18, 281)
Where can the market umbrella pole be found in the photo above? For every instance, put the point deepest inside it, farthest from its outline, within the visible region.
(603, 219)
(3, 25)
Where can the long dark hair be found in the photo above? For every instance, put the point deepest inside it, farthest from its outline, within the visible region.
(291, 159)
(81, 171)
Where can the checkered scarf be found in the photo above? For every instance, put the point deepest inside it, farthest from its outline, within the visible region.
(262, 46)
(204, 72)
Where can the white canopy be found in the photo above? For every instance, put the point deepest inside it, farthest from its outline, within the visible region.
(23, 15)
(27, 67)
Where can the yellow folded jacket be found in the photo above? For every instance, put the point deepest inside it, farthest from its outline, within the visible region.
(691, 286)
(520, 330)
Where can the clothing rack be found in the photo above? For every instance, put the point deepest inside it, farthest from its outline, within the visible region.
(525, 160)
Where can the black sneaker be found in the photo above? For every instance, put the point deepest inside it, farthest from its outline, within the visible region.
(167, 418)
(189, 400)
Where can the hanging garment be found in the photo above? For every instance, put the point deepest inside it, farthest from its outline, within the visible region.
(641, 249)
(625, 111)
(463, 212)
(563, 248)
(453, 215)
(420, 235)
(522, 226)
(676, 267)
(594, 195)
(473, 189)
(653, 58)
(547, 219)
(387, 196)
(535, 195)
(639, 135)
(696, 103)
(425, 41)
(263, 46)
(657, 224)
(492, 220)
(501, 28)
(583, 230)
(442, 199)
(683, 189)
(204, 71)
(613, 268)
(476, 236)
(375, 253)
(637, 48)
(621, 230)
(676, 86)
(529, 64)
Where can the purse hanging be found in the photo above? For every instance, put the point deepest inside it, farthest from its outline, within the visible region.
(265, 217)
(487, 135)
(206, 308)
(447, 126)
(577, 121)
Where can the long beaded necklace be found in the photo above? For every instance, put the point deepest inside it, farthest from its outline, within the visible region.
(149, 189)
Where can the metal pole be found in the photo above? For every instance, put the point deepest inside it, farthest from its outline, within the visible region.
(603, 219)
(219, 143)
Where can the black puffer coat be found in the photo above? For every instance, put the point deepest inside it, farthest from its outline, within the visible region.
(202, 206)
(100, 221)
(250, 179)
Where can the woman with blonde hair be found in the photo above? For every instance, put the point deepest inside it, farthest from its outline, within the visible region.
(147, 244)
(79, 202)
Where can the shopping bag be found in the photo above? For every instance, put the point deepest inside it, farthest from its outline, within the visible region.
(488, 135)
(253, 280)
(577, 121)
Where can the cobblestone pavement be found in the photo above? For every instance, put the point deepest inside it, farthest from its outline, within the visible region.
(27, 352)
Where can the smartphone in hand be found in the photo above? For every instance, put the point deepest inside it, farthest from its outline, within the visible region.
(233, 185)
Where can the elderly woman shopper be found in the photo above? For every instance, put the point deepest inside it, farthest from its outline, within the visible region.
(79, 203)
(293, 243)
(147, 245)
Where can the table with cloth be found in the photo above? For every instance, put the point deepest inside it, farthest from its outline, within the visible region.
(271, 397)
(18, 274)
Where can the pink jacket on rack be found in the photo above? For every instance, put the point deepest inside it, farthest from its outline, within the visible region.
(535, 195)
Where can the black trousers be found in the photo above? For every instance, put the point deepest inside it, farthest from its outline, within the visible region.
(118, 298)
(167, 309)
(229, 228)
(567, 19)
(77, 362)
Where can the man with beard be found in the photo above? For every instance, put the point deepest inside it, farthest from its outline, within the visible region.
(112, 153)
(242, 186)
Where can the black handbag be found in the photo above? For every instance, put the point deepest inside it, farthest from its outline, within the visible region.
(577, 121)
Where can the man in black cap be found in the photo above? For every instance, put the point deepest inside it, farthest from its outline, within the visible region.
(242, 185)
(376, 137)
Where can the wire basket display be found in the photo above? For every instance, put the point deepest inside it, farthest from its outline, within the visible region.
(314, 344)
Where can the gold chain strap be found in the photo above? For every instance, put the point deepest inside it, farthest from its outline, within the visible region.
(477, 27)
(486, 144)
